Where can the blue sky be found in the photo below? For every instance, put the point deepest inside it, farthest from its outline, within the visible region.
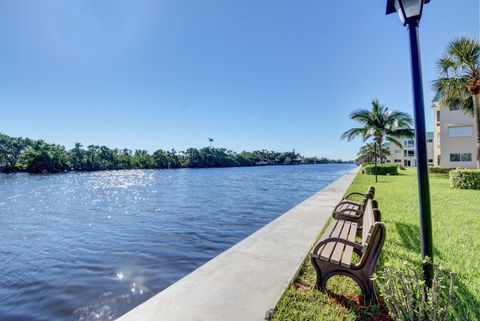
(251, 74)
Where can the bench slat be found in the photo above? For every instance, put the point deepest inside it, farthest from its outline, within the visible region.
(327, 233)
(328, 248)
(347, 254)
(329, 230)
(339, 247)
(367, 222)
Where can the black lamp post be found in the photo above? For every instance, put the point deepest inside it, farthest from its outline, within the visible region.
(410, 12)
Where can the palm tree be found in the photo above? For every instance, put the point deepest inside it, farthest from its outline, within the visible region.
(459, 81)
(368, 152)
(382, 124)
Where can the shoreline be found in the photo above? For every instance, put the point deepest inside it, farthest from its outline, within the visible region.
(128, 169)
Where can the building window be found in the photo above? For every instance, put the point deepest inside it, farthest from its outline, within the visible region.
(438, 117)
(457, 157)
(388, 161)
(398, 151)
(398, 161)
(460, 131)
(429, 140)
(409, 153)
(430, 160)
(409, 143)
(467, 157)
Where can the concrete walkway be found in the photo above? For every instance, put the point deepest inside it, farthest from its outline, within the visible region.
(247, 280)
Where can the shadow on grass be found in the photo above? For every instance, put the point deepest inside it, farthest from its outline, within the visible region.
(466, 306)
(375, 312)
(352, 300)
(410, 238)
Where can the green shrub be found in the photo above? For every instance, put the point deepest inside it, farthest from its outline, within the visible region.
(439, 170)
(409, 299)
(465, 179)
(381, 169)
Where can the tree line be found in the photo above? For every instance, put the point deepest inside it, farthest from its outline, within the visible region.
(37, 156)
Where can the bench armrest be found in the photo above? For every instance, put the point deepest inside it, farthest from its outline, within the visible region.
(343, 202)
(347, 212)
(336, 239)
(354, 193)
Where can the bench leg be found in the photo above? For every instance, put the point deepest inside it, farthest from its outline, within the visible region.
(368, 289)
(318, 284)
(325, 271)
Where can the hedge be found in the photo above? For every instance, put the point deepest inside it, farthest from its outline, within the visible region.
(465, 179)
(381, 170)
(439, 170)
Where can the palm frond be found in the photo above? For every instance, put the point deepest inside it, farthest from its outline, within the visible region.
(402, 133)
(465, 52)
(454, 93)
(355, 132)
(394, 141)
(446, 64)
(360, 115)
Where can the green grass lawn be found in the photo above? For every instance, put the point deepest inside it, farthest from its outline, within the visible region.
(456, 234)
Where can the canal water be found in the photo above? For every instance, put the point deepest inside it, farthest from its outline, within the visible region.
(91, 246)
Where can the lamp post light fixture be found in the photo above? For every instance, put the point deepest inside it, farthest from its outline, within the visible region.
(410, 12)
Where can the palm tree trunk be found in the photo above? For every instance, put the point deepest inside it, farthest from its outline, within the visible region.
(476, 114)
(380, 152)
(378, 144)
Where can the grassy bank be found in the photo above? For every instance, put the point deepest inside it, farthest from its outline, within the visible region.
(456, 232)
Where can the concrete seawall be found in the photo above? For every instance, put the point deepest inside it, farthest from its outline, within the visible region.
(248, 279)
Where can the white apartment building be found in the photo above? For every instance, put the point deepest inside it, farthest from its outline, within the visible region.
(406, 156)
(454, 137)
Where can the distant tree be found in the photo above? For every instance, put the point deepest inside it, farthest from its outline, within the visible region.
(382, 124)
(121, 159)
(41, 157)
(93, 158)
(11, 148)
(160, 158)
(192, 158)
(459, 81)
(246, 158)
(106, 159)
(78, 157)
(143, 160)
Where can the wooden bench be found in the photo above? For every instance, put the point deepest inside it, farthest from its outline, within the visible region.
(334, 252)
